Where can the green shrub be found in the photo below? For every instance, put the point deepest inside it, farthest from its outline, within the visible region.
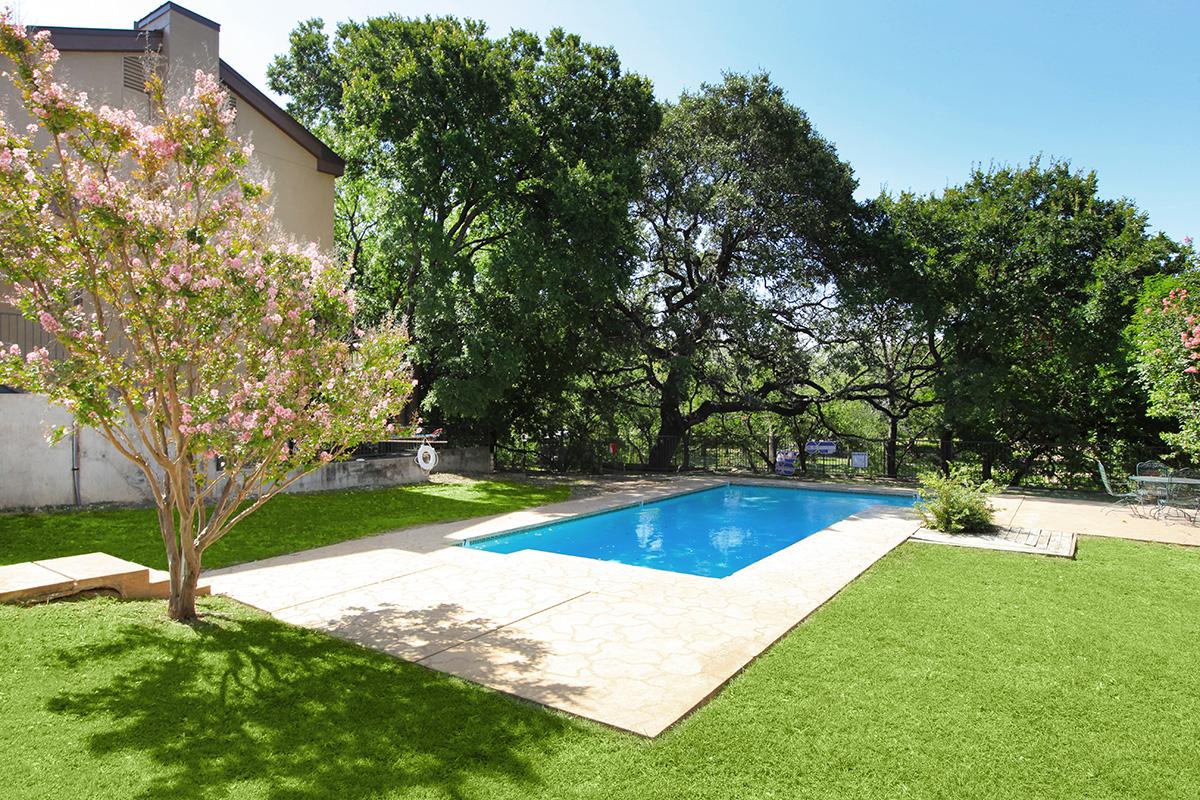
(955, 503)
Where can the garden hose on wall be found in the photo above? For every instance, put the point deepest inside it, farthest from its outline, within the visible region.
(427, 458)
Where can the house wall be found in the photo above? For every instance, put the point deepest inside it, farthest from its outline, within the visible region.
(188, 45)
(302, 195)
(34, 474)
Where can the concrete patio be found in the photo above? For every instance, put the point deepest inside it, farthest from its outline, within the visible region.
(628, 646)
(1091, 518)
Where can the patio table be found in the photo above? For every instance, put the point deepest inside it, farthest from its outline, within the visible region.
(1162, 485)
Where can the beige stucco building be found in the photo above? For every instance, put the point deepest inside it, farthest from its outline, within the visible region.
(109, 64)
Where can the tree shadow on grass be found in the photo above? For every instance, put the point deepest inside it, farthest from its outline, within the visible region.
(242, 700)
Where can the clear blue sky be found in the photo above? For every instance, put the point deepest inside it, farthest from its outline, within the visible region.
(911, 93)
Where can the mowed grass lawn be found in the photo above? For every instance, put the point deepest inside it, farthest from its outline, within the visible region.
(285, 524)
(941, 673)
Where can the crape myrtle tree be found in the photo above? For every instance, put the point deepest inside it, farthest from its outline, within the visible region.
(746, 217)
(188, 331)
(1166, 336)
(499, 174)
(1028, 276)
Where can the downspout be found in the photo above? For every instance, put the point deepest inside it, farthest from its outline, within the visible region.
(75, 463)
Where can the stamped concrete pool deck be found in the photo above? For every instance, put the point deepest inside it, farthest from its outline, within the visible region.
(632, 647)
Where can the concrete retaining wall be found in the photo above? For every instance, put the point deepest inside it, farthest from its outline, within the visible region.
(34, 474)
(465, 459)
(370, 473)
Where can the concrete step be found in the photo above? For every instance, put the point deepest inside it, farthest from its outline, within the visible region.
(159, 585)
(29, 581)
(40, 581)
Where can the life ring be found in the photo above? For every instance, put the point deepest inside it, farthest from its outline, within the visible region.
(427, 457)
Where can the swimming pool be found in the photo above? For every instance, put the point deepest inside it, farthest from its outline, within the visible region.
(714, 532)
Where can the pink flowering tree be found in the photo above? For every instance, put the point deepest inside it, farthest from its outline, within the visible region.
(217, 356)
(1166, 338)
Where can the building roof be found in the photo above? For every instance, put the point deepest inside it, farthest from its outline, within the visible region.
(327, 160)
(120, 40)
(187, 12)
(102, 40)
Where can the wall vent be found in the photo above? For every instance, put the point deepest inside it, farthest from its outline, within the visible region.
(135, 74)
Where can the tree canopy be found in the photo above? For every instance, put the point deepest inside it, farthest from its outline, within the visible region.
(490, 182)
(1028, 276)
(569, 255)
(1165, 334)
(219, 358)
(746, 216)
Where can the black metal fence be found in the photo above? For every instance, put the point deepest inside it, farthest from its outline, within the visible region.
(1049, 465)
(384, 450)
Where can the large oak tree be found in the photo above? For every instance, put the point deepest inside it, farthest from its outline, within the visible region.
(747, 216)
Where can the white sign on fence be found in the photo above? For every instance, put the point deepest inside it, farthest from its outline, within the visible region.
(858, 460)
(785, 462)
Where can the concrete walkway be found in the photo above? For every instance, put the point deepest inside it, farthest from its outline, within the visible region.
(632, 647)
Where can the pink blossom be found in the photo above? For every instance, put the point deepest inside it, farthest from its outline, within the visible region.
(49, 322)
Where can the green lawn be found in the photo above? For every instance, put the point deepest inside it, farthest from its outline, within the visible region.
(941, 673)
(286, 524)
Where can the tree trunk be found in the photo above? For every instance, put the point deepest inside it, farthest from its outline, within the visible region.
(946, 450)
(671, 426)
(1025, 467)
(185, 575)
(670, 432)
(889, 449)
(421, 380)
(181, 603)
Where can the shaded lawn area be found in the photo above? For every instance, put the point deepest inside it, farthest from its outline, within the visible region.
(943, 672)
(285, 524)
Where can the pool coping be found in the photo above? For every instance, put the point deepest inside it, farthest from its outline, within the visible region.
(794, 582)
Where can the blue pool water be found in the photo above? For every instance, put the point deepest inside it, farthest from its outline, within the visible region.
(714, 532)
